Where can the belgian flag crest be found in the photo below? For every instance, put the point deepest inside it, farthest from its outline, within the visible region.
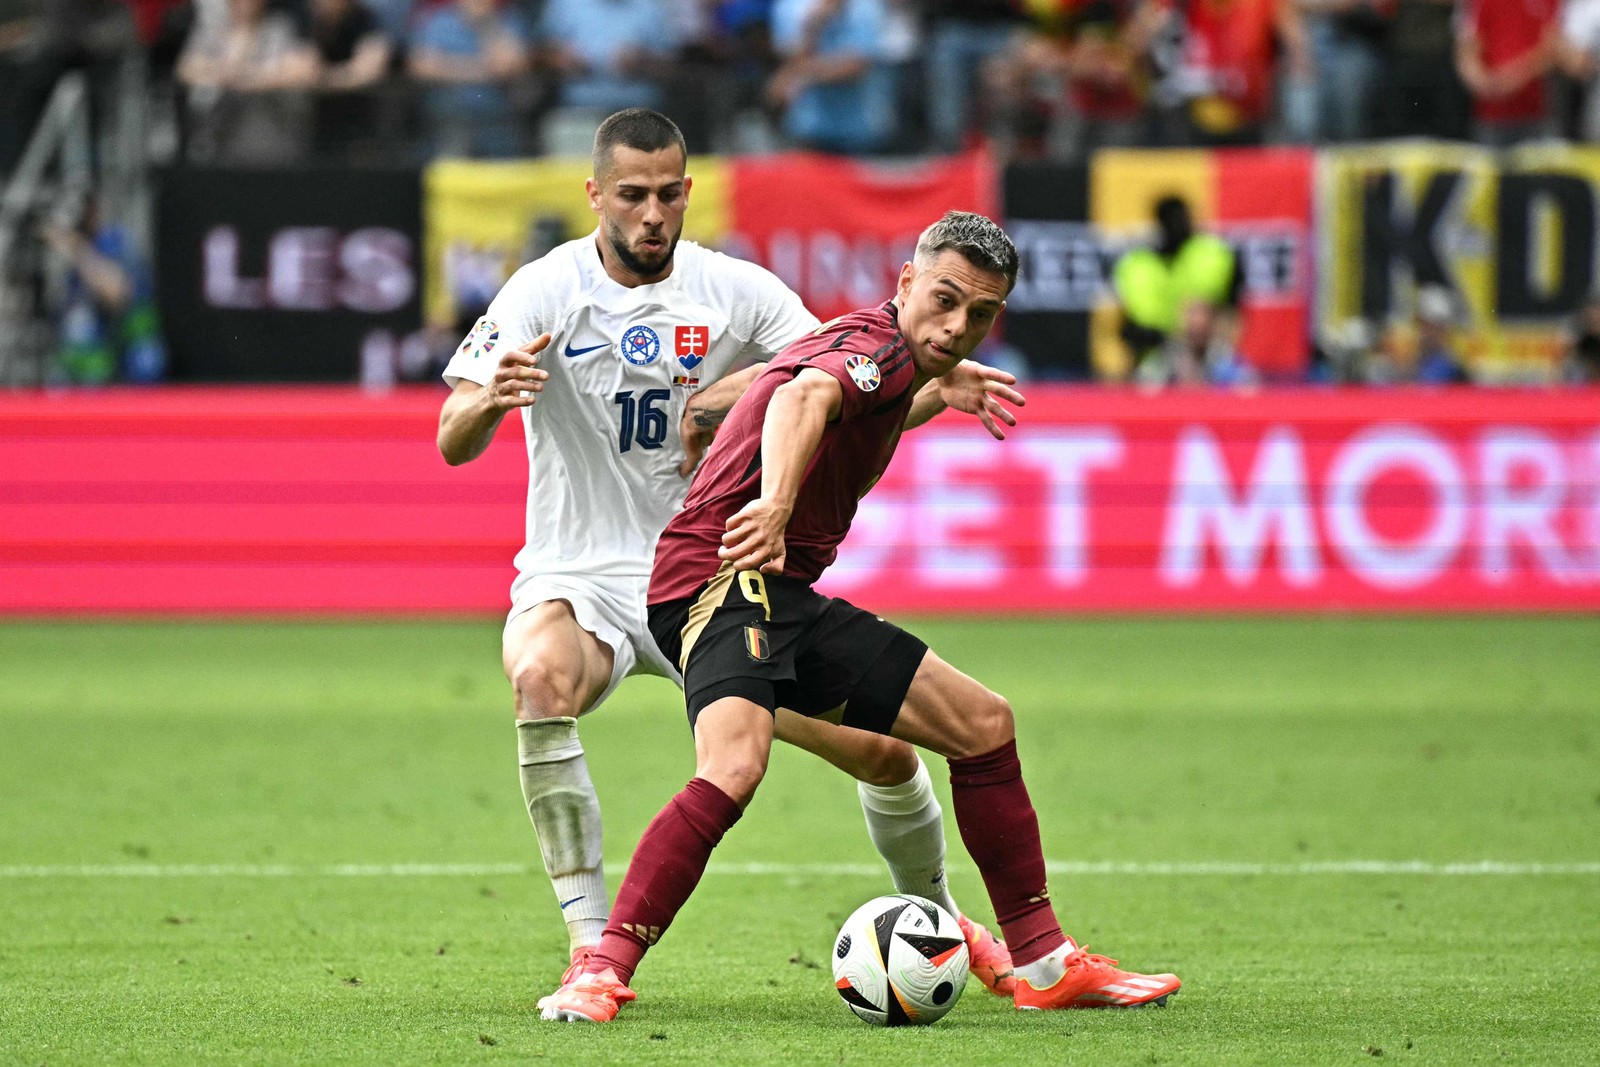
(755, 643)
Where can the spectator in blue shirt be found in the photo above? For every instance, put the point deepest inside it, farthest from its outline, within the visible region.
(609, 53)
(836, 93)
(470, 53)
(108, 325)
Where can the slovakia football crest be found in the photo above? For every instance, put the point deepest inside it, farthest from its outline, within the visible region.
(641, 346)
(693, 342)
(863, 372)
(483, 339)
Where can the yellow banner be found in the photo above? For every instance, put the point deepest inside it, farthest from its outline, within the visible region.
(482, 220)
(1512, 236)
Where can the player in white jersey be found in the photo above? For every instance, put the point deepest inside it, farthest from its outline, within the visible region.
(617, 349)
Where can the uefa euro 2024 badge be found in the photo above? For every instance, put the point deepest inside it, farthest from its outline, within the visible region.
(863, 372)
(483, 338)
(640, 346)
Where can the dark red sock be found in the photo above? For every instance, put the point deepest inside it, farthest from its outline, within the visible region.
(665, 868)
(1001, 833)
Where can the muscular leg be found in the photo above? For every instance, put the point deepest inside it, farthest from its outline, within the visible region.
(903, 815)
(972, 727)
(732, 740)
(953, 714)
(557, 670)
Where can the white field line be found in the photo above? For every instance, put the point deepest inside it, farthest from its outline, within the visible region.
(793, 870)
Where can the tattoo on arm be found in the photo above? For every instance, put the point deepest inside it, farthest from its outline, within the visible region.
(710, 418)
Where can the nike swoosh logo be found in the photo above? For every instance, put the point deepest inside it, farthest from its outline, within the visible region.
(565, 904)
(574, 353)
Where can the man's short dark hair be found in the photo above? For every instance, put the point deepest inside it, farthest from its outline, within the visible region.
(977, 239)
(638, 128)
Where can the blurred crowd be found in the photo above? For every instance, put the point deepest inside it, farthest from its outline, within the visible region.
(283, 80)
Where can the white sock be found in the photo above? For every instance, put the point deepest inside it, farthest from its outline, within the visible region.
(907, 827)
(1047, 970)
(566, 816)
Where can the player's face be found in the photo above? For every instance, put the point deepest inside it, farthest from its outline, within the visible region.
(640, 200)
(947, 306)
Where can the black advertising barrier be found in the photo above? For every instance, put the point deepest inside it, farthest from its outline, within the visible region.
(1063, 267)
(291, 275)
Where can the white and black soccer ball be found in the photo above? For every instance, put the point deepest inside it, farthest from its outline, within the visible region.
(900, 961)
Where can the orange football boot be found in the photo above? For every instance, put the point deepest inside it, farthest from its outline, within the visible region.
(989, 960)
(588, 998)
(580, 957)
(1094, 981)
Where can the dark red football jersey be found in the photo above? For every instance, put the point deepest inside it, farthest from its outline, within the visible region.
(866, 352)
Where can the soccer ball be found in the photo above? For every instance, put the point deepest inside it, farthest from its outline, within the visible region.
(900, 961)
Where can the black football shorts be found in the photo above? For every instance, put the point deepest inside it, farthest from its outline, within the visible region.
(779, 643)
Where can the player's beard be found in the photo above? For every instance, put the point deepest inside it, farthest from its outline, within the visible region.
(636, 264)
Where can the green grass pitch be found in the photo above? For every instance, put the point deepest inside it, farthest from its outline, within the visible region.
(292, 843)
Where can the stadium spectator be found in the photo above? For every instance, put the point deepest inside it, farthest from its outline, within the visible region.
(108, 326)
(394, 18)
(1077, 80)
(1341, 351)
(610, 54)
(1226, 76)
(1155, 286)
(1578, 54)
(469, 53)
(353, 56)
(1346, 38)
(901, 51)
(1420, 92)
(246, 72)
(1504, 50)
(724, 68)
(1428, 355)
(833, 89)
(1201, 351)
(1581, 365)
(963, 37)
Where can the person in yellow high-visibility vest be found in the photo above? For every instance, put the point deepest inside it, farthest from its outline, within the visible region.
(1154, 285)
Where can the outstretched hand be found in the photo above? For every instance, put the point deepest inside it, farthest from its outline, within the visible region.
(978, 390)
(518, 381)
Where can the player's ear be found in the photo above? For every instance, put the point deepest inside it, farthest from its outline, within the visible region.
(908, 271)
(593, 189)
(688, 183)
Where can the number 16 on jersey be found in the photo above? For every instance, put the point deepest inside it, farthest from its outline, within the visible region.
(643, 420)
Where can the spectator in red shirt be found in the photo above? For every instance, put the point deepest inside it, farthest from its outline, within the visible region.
(1504, 50)
(1226, 79)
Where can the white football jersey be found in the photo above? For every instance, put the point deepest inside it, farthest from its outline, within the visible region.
(603, 445)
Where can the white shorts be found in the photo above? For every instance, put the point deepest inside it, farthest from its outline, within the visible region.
(612, 609)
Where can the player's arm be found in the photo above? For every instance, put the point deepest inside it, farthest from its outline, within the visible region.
(971, 388)
(472, 411)
(797, 414)
(706, 410)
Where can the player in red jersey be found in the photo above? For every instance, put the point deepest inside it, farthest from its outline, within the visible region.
(731, 602)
